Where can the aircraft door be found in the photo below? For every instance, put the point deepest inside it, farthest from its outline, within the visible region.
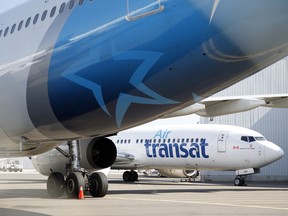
(222, 140)
(137, 9)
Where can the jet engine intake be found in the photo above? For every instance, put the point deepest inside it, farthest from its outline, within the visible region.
(98, 153)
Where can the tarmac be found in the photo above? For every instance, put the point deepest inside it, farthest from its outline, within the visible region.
(24, 194)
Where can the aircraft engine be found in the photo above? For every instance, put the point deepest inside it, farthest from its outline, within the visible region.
(175, 173)
(95, 154)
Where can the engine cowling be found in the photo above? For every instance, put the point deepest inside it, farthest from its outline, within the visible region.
(174, 173)
(95, 154)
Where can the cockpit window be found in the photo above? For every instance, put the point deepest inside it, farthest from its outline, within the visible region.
(244, 138)
(248, 139)
(260, 138)
(251, 139)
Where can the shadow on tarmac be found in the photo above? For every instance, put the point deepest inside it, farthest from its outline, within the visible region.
(6, 212)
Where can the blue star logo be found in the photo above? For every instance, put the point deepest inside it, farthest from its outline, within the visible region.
(124, 101)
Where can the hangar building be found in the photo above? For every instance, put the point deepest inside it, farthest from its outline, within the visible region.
(272, 123)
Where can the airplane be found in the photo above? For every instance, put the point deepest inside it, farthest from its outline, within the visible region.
(188, 148)
(76, 69)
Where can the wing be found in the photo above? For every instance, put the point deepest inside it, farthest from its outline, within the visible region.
(217, 106)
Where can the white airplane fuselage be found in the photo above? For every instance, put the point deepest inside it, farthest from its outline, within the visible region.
(194, 146)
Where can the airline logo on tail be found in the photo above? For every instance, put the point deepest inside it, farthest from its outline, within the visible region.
(175, 150)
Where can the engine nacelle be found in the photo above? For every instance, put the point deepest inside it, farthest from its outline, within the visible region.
(95, 154)
(172, 173)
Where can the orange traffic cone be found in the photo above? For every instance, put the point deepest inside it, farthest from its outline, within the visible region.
(81, 193)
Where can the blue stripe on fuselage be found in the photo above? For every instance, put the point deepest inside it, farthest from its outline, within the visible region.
(81, 72)
(106, 72)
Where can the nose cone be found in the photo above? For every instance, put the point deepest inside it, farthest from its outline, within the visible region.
(273, 152)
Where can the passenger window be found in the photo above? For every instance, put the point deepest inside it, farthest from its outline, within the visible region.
(28, 22)
(71, 5)
(244, 138)
(20, 25)
(52, 13)
(13, 29)
(62, 7)
(6, 31)
(44, 15)
(1, 33)
(35, 19)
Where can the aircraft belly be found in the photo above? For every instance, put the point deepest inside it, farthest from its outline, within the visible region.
(110, 73)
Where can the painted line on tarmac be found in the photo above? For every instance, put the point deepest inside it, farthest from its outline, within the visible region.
(202, 203)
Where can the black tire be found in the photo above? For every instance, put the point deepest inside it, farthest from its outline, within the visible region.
(98, 184)
(74, 181)
(55, 185)
(238, 181)
(126, 176)
(134, 176)
(243, 182)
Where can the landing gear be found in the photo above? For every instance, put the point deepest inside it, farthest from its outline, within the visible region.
(56, 185)
(240, 181)
(130, 176)
(74, 181)
(96, 183)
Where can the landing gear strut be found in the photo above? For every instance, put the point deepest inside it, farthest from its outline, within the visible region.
(130, 176)
(96, 183)
(240, 181)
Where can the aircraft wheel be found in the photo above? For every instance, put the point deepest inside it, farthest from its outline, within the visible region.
(98, 185)
(126, 176)
(237, 181)
(134, 176)
(74, 181)
(243, 182)
(55, 185)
